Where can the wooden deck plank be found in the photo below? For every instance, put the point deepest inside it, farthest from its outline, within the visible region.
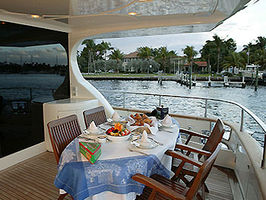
(34, 179)
(219, 186)
(16, 186)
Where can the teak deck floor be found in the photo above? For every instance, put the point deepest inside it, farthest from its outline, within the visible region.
(33, 179)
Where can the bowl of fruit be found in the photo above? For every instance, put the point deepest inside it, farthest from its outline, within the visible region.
(118, 133)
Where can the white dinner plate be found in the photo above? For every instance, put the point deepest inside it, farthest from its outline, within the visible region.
(138, 144)
(118, 138)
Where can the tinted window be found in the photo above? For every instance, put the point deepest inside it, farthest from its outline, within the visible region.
(29, 76)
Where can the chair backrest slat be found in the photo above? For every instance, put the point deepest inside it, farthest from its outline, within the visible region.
(203, 173)
(96, 114)
(62, 131)
(215, 136)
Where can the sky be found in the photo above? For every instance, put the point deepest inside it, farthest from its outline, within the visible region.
(243, 27)
(50, 54)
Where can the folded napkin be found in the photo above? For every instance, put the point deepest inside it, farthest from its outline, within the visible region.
(154, 121)
(153, 129)
(116, 117)
(93, 128)
(145, 141)
(130, 120)
(167, 121)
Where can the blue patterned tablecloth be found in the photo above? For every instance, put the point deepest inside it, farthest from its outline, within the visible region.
(82, 179)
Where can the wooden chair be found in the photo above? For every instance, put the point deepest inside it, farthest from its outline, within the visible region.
(96, 114)
(62, 131)
(212, 142)
(159, 187)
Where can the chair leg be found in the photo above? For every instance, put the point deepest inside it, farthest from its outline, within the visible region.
(203, 191)
(183, 178)
(206, 188)
(199, 197)
(62, 196)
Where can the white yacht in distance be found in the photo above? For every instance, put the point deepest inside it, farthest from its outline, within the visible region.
(250, 71)
(28, 173)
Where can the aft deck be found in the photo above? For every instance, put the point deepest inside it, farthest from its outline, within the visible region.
(33, 179)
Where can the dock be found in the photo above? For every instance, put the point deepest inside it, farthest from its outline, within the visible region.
(217, 81)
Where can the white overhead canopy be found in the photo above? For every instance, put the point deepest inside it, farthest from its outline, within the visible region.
(92, 17)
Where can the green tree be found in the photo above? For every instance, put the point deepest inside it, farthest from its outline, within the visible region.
(118, 56)
(207, 52)
(256, 52)
(261, 43)
(218, 44)
(89, 51)
(260, 58)
(234, 60)
(190, 54)
(144, 53)
(163, 56)
(247, 49)
(105, 46)
(216, 50)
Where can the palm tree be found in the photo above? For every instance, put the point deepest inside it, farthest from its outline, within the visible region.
(105, 46)
(261, 58)
(261, 43)
(190, 54)
(91, 47)
(144, 53)
(248, 49)
(118, 56)
(207, 52)
(218, 43)
(162, 55)
(234, 60)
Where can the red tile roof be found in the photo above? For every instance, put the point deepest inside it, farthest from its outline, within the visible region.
(199, 63)
(132, 55)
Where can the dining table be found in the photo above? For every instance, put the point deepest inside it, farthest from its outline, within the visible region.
(110, 176)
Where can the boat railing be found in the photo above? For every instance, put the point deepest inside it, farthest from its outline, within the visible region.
(206, 102)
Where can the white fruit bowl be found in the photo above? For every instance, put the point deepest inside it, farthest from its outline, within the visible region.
(118, 138)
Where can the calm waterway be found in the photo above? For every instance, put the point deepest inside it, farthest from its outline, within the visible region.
(255, 101)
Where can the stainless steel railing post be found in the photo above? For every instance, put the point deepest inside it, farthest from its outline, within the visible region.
(124, 99)
(206, 108)
(264, 153)
(30, 94)
(242, 120)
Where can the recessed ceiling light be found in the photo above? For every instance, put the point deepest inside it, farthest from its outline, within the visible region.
(132, 13)
(35, 16)
(145, 0)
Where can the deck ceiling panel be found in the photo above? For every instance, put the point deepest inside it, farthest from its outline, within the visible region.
(102, 16)
(41, 7)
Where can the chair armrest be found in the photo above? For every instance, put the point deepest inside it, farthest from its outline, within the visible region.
(193, 149)
(193, 133)
(183, 157)
(157, 186)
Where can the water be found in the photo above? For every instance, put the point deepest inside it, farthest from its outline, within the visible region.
(254, 101)
(17, 86)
